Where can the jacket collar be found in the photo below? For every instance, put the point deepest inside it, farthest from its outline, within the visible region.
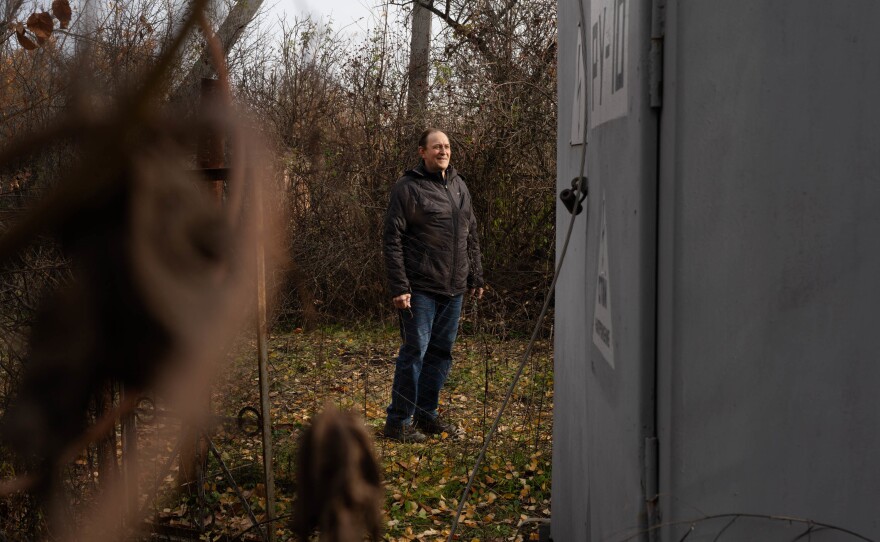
(420, 172)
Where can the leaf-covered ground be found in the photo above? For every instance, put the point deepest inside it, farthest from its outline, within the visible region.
(354, 369)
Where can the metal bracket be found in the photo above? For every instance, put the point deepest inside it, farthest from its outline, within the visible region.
(572, 197)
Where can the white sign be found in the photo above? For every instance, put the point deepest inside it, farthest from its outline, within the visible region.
(579, 101)
(603, 337)
(609, 48)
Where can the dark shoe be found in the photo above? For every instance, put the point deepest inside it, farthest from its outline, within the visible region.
(437, 426)
(404, 433)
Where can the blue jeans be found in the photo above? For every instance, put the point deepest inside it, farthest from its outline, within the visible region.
(428, 330)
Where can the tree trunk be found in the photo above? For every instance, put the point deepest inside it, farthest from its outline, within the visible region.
(419, 62)
(232, 28)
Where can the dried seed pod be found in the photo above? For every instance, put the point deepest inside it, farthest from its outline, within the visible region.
(339, 482)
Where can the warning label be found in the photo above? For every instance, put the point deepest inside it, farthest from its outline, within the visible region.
(603, 336)
(579, 100)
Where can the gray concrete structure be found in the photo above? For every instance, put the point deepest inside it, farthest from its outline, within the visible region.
(742, 233)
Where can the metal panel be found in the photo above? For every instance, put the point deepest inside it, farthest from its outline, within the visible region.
(570, 502)
(769, 265)
(604, 402)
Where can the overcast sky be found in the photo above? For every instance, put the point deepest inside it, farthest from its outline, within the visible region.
(356, 13)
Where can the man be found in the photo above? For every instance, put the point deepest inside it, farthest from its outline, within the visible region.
(432, 256)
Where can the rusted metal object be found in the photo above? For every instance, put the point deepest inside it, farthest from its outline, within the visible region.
(211, 160)
(212, 141)
(210, 155)
(248, 421)
(263, 358)
(193, 452)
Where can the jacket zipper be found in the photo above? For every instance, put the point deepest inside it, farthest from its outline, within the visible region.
(455, 212)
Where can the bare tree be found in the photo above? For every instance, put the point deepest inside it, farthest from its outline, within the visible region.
(419, 64)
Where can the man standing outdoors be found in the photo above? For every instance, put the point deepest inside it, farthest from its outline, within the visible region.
(432, 256)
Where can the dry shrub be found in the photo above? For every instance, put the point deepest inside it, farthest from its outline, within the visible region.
(336, 109)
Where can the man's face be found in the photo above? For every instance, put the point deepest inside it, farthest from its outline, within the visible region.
(437, 152)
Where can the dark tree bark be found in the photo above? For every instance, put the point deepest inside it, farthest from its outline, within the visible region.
(419, 64)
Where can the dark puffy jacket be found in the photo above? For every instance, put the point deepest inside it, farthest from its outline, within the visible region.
(430, 238)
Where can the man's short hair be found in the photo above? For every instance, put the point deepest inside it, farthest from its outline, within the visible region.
(423, 139)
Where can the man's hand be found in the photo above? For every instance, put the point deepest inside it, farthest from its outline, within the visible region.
(478, 292)
(401, 301)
